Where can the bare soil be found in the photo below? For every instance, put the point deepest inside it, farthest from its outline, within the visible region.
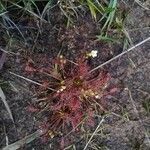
(127, 122)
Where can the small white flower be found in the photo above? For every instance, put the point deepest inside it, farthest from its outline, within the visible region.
(93, 53)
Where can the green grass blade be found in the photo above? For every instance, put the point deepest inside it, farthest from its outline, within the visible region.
(92, 8)
(111, 9)
(106, 38)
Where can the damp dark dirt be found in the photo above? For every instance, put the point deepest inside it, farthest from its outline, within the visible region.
(126, 124)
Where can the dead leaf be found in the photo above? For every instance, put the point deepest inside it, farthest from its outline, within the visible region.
(25, 140)
(3, 98)
(2, 59)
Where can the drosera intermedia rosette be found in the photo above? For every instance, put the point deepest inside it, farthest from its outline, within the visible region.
(74, 98)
